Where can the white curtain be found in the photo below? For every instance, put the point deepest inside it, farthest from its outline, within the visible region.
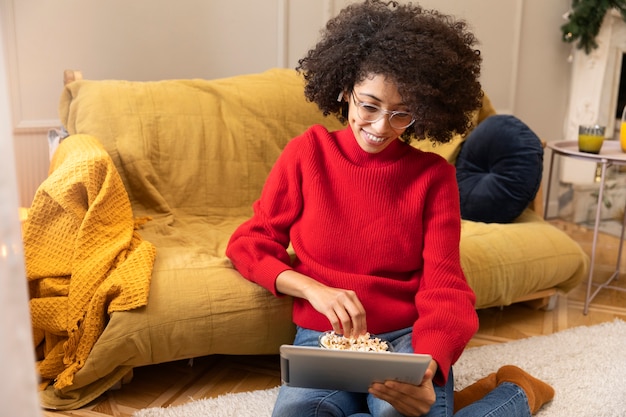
(18, 389)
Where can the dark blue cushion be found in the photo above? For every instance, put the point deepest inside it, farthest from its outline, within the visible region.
(499, 170)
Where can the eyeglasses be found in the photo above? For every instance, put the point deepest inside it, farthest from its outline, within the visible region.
(371, 113)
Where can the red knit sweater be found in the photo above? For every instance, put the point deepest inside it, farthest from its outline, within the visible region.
(385, 225)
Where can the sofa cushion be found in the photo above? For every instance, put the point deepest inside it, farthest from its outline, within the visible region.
(499, 170)
(203, 147)
(537, 256)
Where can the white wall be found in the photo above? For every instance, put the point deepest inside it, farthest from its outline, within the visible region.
(525, 69)
(18, 391)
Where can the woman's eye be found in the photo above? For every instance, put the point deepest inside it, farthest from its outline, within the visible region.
(403, 116)
(369, 108)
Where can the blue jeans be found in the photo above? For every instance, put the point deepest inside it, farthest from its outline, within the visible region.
(506, 400)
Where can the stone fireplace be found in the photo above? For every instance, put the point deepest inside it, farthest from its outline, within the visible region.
(594, 91)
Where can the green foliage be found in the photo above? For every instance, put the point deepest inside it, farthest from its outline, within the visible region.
(585, 19)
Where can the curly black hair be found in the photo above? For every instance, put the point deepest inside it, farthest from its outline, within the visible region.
(429, 55)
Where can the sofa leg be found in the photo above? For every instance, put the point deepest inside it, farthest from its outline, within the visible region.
(540, 300)
(552, 302)
(126, 379)
(545, 303)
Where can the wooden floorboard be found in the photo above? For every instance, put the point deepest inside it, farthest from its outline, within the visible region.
(179, 382)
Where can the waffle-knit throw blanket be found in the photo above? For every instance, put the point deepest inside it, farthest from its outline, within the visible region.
(84, 259)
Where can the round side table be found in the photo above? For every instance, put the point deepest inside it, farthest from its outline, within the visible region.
(610, 154)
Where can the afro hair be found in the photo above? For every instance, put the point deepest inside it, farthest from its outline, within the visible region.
(429, 55)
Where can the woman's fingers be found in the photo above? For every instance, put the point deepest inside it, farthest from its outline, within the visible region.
(408, 399)
(350, 313)
(343, 309)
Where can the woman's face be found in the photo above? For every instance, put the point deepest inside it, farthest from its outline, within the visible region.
(375, 90)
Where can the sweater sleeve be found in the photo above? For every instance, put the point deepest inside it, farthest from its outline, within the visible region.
(258, 248)
(445, 302)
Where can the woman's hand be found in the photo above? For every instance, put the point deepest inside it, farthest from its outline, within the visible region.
(342, 307)
(408, 399)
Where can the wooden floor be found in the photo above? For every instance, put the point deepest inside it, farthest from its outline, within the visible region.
(179, 382)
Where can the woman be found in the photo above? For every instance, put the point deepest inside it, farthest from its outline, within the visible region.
(375, 223)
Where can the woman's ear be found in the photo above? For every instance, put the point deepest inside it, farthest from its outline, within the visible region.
(340, 97)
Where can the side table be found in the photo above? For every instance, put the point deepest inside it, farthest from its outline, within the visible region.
(610, 154)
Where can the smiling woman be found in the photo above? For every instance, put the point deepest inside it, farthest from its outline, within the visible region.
(375, 223)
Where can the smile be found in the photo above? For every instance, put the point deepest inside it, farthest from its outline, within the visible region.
(374, 139)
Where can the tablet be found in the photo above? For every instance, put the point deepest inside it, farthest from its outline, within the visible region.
(344, 370)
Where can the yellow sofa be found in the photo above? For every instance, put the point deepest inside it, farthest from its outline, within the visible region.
(193, 156)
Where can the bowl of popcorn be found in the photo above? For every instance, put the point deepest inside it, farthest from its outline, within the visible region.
(363, 343)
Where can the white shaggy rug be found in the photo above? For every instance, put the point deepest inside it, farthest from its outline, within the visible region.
(585, 365)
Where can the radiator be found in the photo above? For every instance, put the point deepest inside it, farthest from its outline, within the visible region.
(32, 161)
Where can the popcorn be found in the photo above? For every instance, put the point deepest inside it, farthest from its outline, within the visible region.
(362, 343)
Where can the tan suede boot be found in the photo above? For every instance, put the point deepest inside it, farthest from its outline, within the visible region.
(474, 392)
(538, 392)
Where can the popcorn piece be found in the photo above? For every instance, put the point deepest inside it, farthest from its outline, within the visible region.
(362, 343)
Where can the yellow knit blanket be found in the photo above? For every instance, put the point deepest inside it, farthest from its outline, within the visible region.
(84, 259)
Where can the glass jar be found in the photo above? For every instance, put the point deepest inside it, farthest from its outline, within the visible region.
(590, 138)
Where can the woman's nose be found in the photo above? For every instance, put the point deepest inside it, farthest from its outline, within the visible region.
(382, 124)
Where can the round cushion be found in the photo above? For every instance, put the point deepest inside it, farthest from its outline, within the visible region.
(499, 170)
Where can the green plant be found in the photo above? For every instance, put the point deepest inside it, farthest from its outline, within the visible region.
(585, 19)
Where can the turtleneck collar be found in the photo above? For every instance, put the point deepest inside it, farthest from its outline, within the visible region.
(349, 147)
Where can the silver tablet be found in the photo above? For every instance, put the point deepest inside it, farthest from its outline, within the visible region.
(314, 367)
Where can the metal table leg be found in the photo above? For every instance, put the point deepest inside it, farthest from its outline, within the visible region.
(594, 243)
(590, 296)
